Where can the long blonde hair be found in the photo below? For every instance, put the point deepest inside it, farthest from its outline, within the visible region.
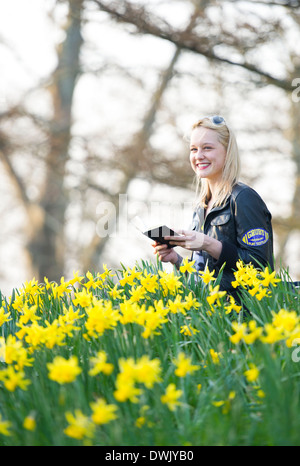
(231, 169)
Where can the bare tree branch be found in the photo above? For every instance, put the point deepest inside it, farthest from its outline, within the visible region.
(148, 23)
(292, 4)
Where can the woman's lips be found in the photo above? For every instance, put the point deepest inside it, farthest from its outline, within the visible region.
(202, 166)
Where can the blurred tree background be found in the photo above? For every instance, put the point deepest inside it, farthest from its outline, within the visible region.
(95, 99)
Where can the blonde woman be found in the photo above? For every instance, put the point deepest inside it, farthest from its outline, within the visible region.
(231, 221)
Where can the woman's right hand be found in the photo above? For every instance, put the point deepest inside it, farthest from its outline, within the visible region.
(165, 254)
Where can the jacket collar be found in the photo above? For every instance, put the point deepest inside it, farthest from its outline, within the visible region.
(201, 211)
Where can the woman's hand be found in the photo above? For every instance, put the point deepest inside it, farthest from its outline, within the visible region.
(191, 240)
(165, 254)
(196, 241)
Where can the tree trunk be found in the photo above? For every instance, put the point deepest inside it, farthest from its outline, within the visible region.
(47, 246)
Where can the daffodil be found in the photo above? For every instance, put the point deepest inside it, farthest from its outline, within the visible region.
(149, 282)
(59, 290)
(137, 293)
(83, 298)
(80, 426)
(93, 282)
(54, 334)
(232, 306)
(207, 276)
(101, 317)
(183, 365)
(170, 282)
(262, 292)
(5, 426)
(171, 396)
(252, 373)
(187, 266)
(13, 379)
(29, 423)
(253, 332)
(188, 330)
(126, 389)
(260, 393)
(215, 295)
(63, 370)
(107, 272)
(148, 371)
(76, 278)
(245, 275)
(34, 334)
(176, 305)
(240, 332)
(130, 311)
(271, 334)
(130, 276)
(4, 316)
(116, 292)
(68, 320)
(103, 412)
(285, 320)
(140, 421)
(99, 364)
(16, 353)
(191, 302)
(269, 278)
(215, 356)
(152, 321)
(31, 287)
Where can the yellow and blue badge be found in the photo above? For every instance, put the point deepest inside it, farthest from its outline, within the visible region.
(256, 237)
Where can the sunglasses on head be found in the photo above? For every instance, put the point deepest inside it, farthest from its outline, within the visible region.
(216, 119)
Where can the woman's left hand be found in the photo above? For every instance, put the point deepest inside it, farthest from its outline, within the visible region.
(191, 240)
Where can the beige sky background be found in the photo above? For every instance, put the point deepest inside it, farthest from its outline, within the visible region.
(28, 37)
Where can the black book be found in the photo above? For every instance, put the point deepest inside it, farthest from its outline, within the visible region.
(158, 234)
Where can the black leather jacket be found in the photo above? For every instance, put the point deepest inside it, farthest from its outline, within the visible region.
(243, 225)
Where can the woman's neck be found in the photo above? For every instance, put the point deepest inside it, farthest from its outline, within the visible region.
(214, 188)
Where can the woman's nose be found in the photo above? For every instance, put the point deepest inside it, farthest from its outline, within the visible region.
(199, 154)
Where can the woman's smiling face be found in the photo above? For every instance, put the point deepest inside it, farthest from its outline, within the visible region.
(207, 154)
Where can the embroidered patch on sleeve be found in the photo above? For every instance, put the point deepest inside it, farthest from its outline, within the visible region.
(256, 237)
